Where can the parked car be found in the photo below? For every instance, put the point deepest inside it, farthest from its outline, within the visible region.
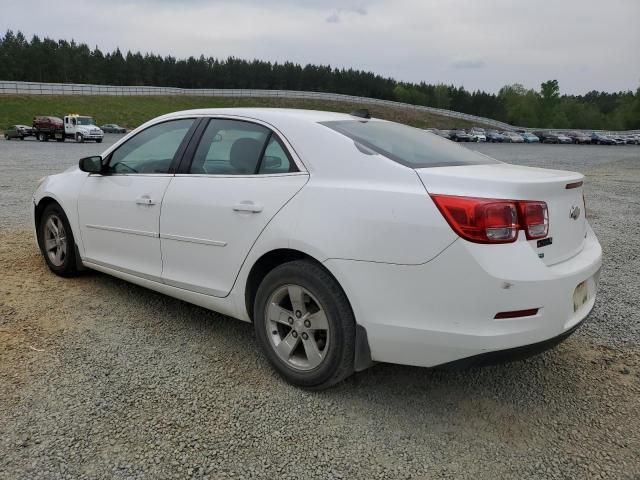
(562, 138)
(601, 139)
(505, 136)
(619, 139)
(494, 137)
(46, 127)
(547, 137)
(340, 258)
(530, 138)
(477, 136)
(579, 138)
(514, 137)
(459, 136)
(18, 131)
(632, 140)
(113, 128)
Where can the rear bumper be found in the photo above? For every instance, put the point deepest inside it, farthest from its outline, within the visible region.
(513, 354)
(443, 310)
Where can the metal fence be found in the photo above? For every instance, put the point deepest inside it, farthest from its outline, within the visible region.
(37, 88)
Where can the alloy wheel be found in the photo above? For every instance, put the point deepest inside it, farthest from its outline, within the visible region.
(55, 240)
(297, 327)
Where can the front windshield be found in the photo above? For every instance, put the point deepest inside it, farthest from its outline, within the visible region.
(406, 145)
(86, 121)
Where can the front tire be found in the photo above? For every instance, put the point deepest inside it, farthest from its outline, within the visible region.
(56, 241)
(79, 138)
(304, 325)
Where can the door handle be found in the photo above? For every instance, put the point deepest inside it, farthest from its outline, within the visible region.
(145, 200)
(247, 207)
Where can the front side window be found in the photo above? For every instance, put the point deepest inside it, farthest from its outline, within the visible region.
(152, 150)
(406, 145)
(235, 147)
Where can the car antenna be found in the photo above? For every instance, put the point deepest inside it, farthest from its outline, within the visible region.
(361, 112)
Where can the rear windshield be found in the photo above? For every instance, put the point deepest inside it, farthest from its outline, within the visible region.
(406, 145)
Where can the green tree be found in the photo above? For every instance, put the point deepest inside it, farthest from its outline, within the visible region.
(549, 95)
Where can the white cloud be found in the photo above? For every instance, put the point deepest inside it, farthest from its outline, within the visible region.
(468, 63)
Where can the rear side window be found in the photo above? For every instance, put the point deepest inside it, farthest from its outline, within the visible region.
(406, 145)
(234, 147)
(275, 158)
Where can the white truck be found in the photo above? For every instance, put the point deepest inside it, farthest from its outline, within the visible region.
(74, 126)
(81, 128)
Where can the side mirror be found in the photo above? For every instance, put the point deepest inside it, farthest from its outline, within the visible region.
(91, 164)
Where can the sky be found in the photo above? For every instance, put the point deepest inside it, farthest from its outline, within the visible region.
(479, 44)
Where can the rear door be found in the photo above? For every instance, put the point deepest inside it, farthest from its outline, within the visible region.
(240, 175)
(119, 212)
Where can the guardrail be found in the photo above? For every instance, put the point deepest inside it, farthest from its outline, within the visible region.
(37, 88)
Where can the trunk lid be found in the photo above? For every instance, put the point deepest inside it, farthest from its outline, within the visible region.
(567, 224)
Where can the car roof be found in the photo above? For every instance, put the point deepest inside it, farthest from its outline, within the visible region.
(269, 115)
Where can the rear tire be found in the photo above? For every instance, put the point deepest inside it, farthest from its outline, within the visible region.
(56, 241)
(304, 325)
(6, 137)
(99, 140)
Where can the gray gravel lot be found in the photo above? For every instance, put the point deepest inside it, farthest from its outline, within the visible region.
(102, 379)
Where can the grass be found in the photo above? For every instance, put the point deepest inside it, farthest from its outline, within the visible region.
(135, 110)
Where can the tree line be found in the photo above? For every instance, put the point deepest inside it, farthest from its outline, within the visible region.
(62, 61)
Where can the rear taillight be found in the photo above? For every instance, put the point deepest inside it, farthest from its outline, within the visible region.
(484, 220)
(534, 219)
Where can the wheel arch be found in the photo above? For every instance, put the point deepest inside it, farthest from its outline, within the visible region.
(39, 209)
(274, 258)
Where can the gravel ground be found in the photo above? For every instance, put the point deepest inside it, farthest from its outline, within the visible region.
(103, 379)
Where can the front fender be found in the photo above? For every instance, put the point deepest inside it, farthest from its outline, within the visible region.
(64, 189)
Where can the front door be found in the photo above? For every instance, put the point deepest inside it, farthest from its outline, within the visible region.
(240, 177)
(119, 211)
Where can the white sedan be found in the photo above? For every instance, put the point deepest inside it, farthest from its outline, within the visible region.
(346, 240)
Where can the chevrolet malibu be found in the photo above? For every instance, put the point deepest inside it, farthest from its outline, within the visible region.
(345, 240)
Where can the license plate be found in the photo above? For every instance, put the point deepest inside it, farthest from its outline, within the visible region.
(580, 295)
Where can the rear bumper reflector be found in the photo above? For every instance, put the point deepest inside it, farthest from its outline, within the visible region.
(517, 313)
(573, 185)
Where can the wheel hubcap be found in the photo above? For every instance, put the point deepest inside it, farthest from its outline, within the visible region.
(55, 241)
(297, 327)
